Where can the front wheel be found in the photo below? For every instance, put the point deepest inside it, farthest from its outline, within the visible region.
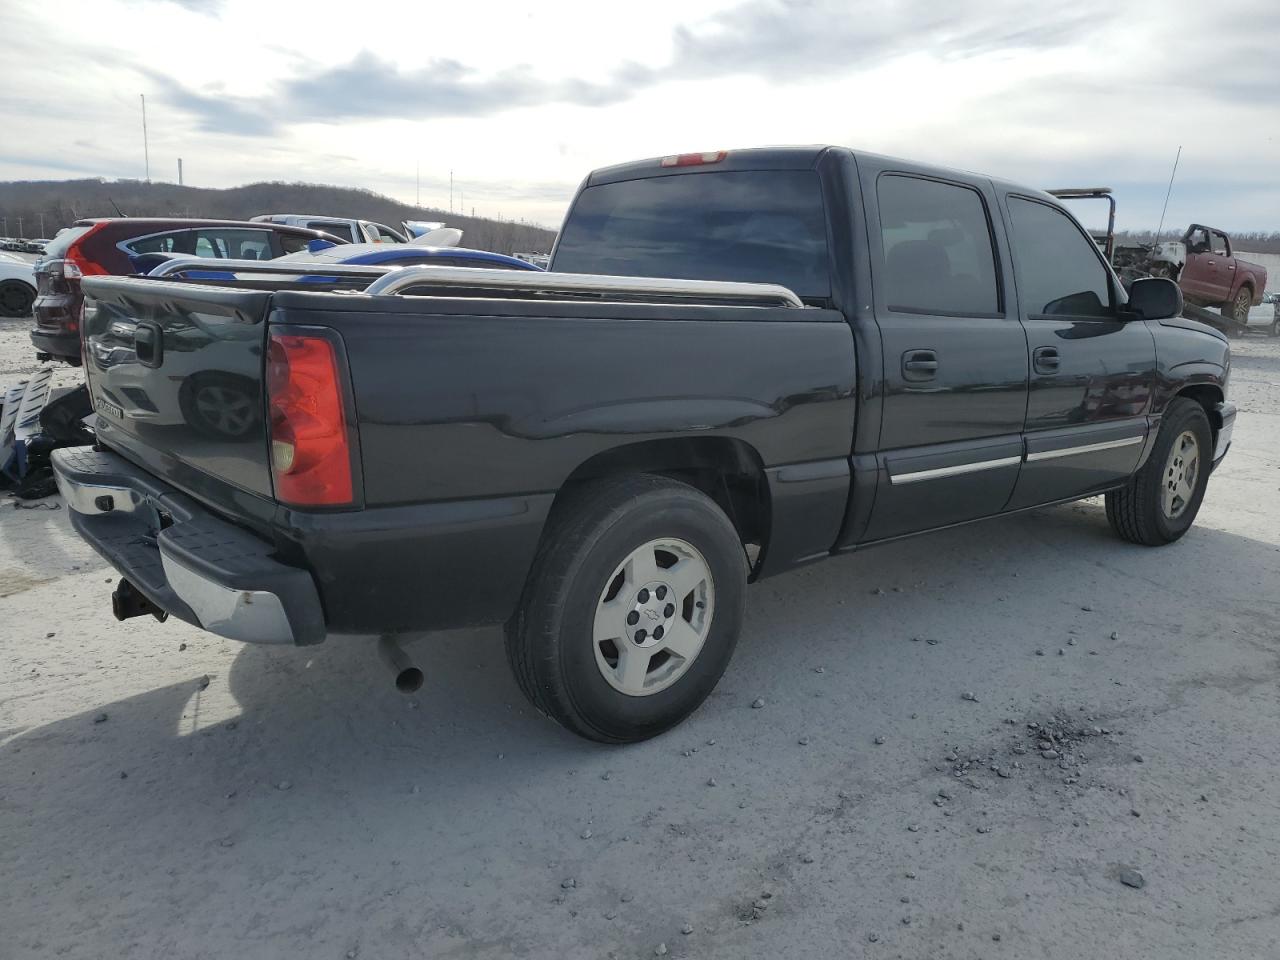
(1160, 502)
(632, 609)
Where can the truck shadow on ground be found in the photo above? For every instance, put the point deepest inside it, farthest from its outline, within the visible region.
(297, 767)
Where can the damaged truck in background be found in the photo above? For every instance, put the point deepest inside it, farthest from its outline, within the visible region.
(1201, 263)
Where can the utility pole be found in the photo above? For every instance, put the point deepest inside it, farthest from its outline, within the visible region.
(19, 226)
(417, 184)
(451, 191)
(179, 171)
(146, 147)
(42, 224)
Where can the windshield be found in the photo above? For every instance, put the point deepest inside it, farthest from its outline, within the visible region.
(763, 226)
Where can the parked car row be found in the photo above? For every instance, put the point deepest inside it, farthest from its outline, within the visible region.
(135, 245)
(22, 245)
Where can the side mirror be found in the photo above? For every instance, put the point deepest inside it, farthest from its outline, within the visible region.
(1154, 298)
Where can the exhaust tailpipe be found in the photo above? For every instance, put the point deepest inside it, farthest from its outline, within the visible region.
(408, 677)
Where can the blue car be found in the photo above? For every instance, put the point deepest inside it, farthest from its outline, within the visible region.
(379, 254)
(408, 254)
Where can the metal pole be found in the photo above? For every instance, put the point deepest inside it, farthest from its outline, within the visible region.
(451, 191)
(5, 228)
(179, 171)
(146, 147)
(417, 184)
(42, 225)
(19, 226)
(1176, 158)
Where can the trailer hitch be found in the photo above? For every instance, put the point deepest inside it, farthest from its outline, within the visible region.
(127, 601)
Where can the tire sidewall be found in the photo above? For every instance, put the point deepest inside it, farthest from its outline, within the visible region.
(672, 513)
(1186, 416)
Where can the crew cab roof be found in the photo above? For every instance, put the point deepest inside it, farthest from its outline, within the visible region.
(804, 157)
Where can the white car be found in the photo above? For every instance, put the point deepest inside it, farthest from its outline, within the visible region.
(353, 231)
(17, 287)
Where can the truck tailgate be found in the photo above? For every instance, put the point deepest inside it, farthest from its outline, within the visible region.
(176, 375)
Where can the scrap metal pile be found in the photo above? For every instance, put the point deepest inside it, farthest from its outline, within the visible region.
(34, 421)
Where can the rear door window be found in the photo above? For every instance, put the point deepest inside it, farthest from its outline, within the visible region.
(334, 227)
(160, 243)
(762, 226)
(938, 254)
(233, 244)
(384, 234)
(1059, 270)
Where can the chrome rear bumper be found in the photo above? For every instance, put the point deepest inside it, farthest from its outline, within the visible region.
(184, 559)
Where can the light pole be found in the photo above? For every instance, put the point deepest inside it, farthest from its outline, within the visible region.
(146, 147)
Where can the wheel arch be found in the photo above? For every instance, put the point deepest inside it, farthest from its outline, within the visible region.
(1209, 396)
(728, 470)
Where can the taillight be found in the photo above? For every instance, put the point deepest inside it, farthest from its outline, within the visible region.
(76, 264)
(694, 159)
(310, 442)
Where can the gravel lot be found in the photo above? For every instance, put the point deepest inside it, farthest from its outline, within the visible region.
(165, 793)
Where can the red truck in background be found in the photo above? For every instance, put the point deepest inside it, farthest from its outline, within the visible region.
(1208, 273)
(1201, 263)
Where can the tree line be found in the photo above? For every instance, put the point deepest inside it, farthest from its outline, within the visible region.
(62, 202)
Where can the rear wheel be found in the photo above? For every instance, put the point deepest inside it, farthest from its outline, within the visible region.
(632, 610)
(1238, 309)
(16, 298)
(1160, 501)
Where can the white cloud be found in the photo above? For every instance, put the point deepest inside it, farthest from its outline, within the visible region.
(520, 100)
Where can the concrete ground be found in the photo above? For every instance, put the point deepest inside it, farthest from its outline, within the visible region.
(167, 794)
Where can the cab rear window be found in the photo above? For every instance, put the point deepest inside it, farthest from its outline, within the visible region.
(761, 226)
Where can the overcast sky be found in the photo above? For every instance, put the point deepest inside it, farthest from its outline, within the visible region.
(522, 99)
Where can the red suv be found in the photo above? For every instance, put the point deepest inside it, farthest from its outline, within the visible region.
(121, 245)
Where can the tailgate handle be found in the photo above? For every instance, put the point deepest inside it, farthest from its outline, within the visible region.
(148, 343)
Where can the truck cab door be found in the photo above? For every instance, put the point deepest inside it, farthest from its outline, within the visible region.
(1092, 369)
(954, 358)
(1196, 279)
(1223, 266)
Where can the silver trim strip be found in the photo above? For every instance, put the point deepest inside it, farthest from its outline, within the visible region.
(1085, 448)
(391, 280)
(288, 268)
(580, 283)
(916, 476)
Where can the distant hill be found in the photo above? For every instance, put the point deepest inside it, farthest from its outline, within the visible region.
(63, 201)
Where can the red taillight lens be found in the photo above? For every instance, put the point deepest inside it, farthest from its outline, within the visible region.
(694, 159)
(310, 442)
(76, 264)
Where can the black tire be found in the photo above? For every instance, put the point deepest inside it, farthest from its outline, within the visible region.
(1136, 511)
(16, 298)
(1238, 310)
(549, 640)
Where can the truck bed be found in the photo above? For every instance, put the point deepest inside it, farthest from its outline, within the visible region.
(470, 412)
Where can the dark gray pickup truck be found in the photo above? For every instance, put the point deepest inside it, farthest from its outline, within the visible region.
(741, 362)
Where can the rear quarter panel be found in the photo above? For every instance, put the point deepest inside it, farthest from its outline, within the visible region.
(464, 399)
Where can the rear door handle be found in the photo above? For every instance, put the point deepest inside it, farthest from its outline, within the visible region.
(919, 365)
(1046, 359)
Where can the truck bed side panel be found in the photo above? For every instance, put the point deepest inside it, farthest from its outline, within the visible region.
(464, 402)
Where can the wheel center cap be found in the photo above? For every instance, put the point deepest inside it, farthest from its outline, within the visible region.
(651, 615)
